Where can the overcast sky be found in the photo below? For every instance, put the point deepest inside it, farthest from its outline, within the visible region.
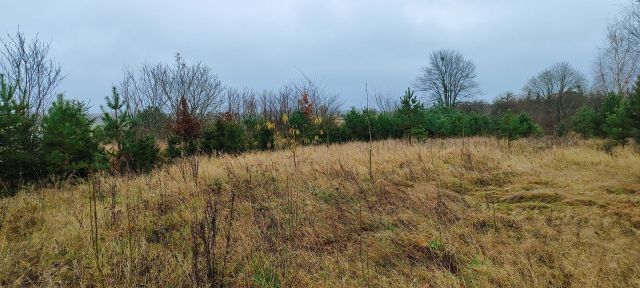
(342, 44)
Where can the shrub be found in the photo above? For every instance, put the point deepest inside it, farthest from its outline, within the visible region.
(174, 149)
(299, 120)
(265, 135)
(356, 123)
(608, 107)
(141, 153)
(523, 126)
(585, 122)
(154, 122)
(209, 142)
(68, 144)
(634, 110)
(445, 122)
(512, 126)
(618, 125)
(232, 137)
(561, 129)
(138, 152)
(386, 126)
(225, 136)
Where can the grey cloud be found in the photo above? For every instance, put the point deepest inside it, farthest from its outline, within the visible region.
(263, 44)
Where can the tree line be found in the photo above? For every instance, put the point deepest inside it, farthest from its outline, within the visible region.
(160, 112)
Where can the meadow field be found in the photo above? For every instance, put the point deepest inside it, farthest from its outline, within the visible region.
(466, 212)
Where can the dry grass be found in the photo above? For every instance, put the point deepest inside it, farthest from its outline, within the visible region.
(444, 213)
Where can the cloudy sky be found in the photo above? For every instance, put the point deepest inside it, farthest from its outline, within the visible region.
(342, 44)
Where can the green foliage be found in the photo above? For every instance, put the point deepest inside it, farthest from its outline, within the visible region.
(138, 151)
(448, 122)
(68, 146)
(233, 137)
(174, 149)
(512, 126)
(299, 120)
(634, 110)
(116, 122)
(585, 122)
(264, 275)
(209, 142)
(608, 107)
(141, 153)
(356, 123)
(617, 118)
(410, 115)
(561, 129)
(265, 135)
(619, 125)
(386, 126)
(191, 147)
(417, 122)
(225, 136)
(444, 122)
(337, 133)
(18, 141)
(523, 126)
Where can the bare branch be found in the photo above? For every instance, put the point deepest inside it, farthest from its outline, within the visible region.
(27, 65)
(162, 86)
(449, 78)
(618, 64)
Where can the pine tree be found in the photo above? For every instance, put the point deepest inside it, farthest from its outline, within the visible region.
(608, 107)
(18, 141)
(136, 152)
(634, 111)
(585, 122)
(410, 113)
(619, 124)
(141, 152)
(116, 120)
(68, 144)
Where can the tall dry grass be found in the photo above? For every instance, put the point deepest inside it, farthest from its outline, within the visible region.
(467, 212)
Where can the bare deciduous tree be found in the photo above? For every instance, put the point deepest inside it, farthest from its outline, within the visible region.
(325, 104)
(249, 103)
(449, 78)
(385, 102)
(241, 102)
(27, 65)
(163, 86)
(631, 22)
(556, 87)
(504, 103)
(618, 64)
